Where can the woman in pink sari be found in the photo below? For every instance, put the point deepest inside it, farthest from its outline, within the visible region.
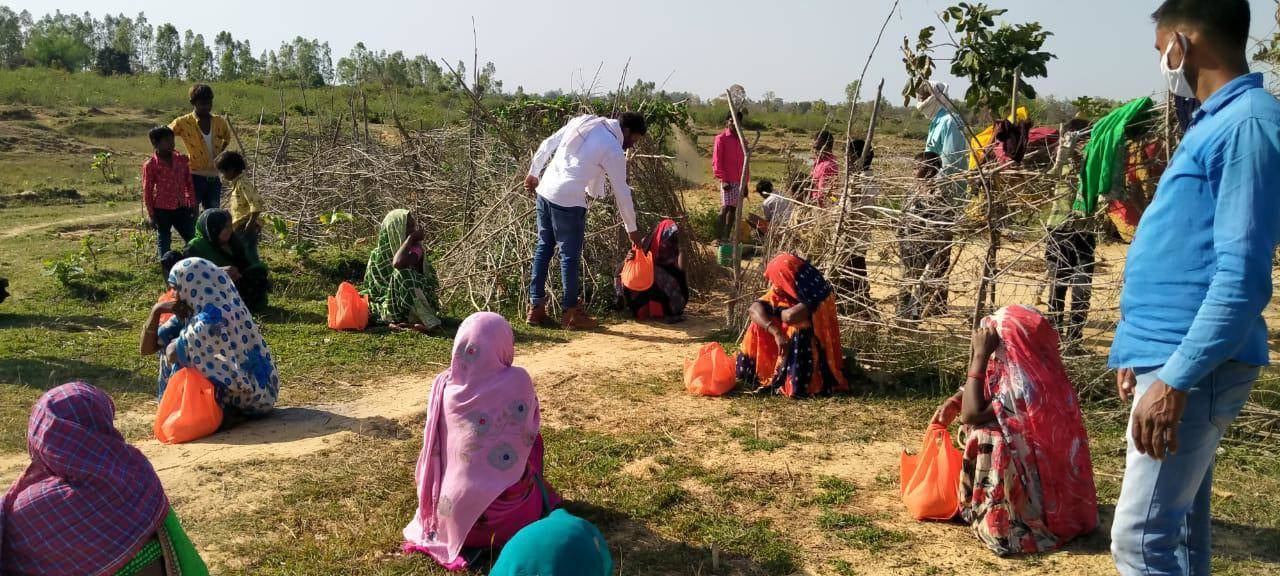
(479, 474)
(1027, 481)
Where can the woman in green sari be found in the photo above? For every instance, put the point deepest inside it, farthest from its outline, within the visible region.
(400, 282)
(216, 243)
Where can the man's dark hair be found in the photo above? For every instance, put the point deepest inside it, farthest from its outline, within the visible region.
(168, 261)
(765, 186)
(855, 153)
(930, 161)
(634, 122)
(230, 161)
(200, 93)
(728, 116)
(1226, 21)
(159, 133)
(824, 140)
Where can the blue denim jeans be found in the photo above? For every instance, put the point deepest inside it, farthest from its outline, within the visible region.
(166, 221)
(564, 228)
(208, 191)
(1162, 518)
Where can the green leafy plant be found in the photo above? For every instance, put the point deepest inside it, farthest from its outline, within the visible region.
(89, 250)
(1092, 108)
(281, 228)
(104, 163)
(67, 270)
(336, 217)
(985, 54)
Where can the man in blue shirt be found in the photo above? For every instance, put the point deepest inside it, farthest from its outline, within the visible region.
(1192, 339)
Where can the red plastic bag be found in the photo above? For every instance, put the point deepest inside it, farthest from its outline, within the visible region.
(637, 273)
(711, 373)
(189, 409)
(930, 479)
(349, 309)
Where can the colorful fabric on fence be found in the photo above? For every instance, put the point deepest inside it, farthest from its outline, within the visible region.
(89, 501)
(815, 362)
(985, 140)
(219, 340)
(1098, 176)
(479, 441)
(399, 295)
(1032, 487)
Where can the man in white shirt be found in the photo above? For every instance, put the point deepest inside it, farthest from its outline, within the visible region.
(578, 158)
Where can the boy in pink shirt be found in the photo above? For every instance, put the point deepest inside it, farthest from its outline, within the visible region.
(825, 168)
(727, 162)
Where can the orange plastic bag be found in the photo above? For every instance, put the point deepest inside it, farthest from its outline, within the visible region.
(637, 273)
(931, 478)
(349, 309)
(168, 296)
(711, 373)
(189, 409)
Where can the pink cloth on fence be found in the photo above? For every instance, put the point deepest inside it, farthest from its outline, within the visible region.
(482, 429)
(727, 158)
(1038, 413)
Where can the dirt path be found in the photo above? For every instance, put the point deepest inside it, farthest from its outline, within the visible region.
(77, 221)
(583, 383)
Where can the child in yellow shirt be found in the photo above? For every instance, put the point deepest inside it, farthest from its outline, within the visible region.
(246, 203)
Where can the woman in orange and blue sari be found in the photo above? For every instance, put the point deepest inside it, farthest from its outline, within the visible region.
(792, 346)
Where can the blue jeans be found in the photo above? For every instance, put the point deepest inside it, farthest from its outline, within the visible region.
(1162, 518)
(166, 221)
(208, 191)
(565, 228)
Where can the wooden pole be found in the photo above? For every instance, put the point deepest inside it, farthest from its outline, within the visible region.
(737, 211)
(987, 285)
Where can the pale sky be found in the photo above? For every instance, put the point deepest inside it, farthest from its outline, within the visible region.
(799, 49)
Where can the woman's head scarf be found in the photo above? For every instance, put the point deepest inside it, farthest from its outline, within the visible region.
(89, 501)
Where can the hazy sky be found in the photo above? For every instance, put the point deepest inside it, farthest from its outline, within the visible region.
(800, 49)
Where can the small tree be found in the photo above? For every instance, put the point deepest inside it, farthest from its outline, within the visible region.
(985, 54)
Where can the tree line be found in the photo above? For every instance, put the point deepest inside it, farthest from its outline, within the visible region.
(119, 44)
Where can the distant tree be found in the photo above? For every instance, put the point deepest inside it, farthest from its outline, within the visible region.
(852, 90)
(197, 57)
(11, 40)
(109, 61)
(60, 41)
(224, 52)
(985, 54)
(144, 44)
(168, 51)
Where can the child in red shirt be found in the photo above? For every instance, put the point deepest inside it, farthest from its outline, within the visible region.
(167, 193)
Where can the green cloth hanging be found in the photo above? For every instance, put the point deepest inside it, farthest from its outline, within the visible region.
(399, 295)
(1100, 154)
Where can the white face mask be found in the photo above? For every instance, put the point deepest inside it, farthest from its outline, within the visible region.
(1177, 79)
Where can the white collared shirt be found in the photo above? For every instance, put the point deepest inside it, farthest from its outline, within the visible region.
(574, 175)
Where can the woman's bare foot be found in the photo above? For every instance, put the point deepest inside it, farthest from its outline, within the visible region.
(420, 328)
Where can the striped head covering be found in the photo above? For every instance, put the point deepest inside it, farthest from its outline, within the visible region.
(88, 502)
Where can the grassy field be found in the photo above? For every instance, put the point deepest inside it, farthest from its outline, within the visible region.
(679, 484)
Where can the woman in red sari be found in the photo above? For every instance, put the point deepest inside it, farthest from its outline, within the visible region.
(1027, 481)
(792, 345)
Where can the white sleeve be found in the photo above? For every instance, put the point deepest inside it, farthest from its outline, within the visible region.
(545, 150)
(615, 166)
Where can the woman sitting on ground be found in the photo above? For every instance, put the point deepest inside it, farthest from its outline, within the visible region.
(560, 544)
(479, 474)
(1027, 481)
(89, 503)
(400, 282)
(213, 333)
(792, 345)
(670, 291)
(215, 241)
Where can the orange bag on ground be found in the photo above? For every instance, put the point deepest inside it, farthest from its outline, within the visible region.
(930, 479)
(189, 409)
(349, 309)
(711, 373)
(637, 273)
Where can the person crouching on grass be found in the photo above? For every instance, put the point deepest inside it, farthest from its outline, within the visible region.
(246, 203)
(167, 193)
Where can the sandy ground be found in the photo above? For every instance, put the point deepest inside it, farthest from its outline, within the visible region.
(574, 380)
(77, 221)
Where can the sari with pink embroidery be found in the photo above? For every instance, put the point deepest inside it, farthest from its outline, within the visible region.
(479, 475)
(1027, 481)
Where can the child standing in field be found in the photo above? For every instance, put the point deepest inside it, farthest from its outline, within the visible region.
(205, 136)
(167, 193)
(727, 160)
(246, 203)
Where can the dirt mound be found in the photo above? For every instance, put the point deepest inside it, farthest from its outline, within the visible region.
(112, 127)
(26, 136)
(10, 114)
